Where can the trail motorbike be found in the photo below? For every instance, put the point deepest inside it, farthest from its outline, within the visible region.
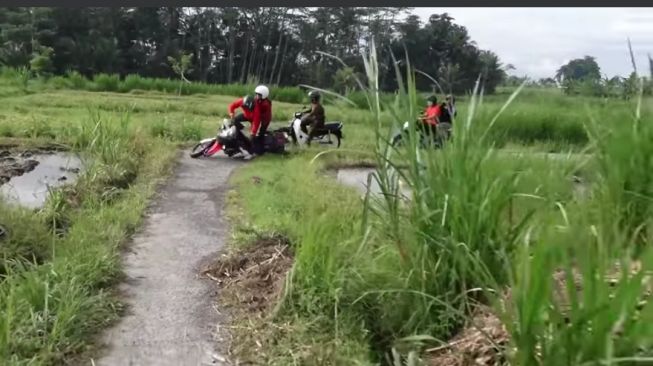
(331, 131)
(228, 140)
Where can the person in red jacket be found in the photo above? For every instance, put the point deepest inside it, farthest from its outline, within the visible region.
(262, 117)
(432, 112)
(431, 116)
(248, 106)
(257, 111)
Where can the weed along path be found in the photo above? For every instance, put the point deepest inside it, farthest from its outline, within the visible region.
(170, 318)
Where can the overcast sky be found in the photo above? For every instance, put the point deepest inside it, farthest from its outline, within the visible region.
(537, 41)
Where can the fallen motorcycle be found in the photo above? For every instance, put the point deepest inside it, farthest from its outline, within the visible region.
(227, 140)
(331, 131)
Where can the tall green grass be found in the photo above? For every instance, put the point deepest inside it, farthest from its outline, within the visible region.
(473, 231)
(607, 237)
(460, 222)
(593, 313)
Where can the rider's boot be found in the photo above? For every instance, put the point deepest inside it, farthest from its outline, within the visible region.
(246, 154)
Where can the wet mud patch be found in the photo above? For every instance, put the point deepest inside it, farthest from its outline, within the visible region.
(16, 160)
(28, 173)
(254, 276)
(14, 165)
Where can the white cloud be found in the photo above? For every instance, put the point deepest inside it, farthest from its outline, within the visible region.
(537, 41)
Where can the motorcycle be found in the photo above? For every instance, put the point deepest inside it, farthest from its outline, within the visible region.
(227, 140)
(324, 135)
(443, 134)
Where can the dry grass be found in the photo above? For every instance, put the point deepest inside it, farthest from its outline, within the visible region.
(256, 273)
(251, 281)
(484, 339)
(479, 343)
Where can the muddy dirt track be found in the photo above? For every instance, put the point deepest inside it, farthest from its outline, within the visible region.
(171, 319)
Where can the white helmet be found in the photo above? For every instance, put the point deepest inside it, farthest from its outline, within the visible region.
(263, 90)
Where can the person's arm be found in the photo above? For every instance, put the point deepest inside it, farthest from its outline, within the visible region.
(256, 120)
(235, 105)
(437, 114)
(267, 116)
(423, 116)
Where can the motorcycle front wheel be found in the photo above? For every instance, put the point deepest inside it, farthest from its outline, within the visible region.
(199, 149)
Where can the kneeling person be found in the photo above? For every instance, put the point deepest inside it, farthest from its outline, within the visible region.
(245, 103)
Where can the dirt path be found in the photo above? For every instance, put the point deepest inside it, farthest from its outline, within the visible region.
(171, 319)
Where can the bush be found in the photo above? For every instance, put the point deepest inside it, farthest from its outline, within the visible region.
(77, 80)
(105, 82)
(134, 82)
(60, 82)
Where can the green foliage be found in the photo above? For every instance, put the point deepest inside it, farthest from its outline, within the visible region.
(579, 69)
(198, 44)
(41, 63)
(104, 82)
(180, 65)
(77, 81)
(344, 80)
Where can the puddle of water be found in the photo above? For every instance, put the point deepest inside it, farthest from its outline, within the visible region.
(31, 189)
(357, 178)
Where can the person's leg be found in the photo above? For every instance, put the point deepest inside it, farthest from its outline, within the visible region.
(259, 140)
(425, 128)
(245, 142)
(435, 135)
(238, 121)
(444, 131)
(428, 132)
(314, 130)
(306, 121)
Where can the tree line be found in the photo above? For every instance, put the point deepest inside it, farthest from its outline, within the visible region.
(280, 46)
(583, 76)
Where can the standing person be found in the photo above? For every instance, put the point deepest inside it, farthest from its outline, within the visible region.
(261, 119)
(315, 116)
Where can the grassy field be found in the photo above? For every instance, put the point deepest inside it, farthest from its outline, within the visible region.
(560, 275)
(368, 277)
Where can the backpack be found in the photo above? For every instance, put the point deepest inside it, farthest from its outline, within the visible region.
(274, 143)
(445, 116)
